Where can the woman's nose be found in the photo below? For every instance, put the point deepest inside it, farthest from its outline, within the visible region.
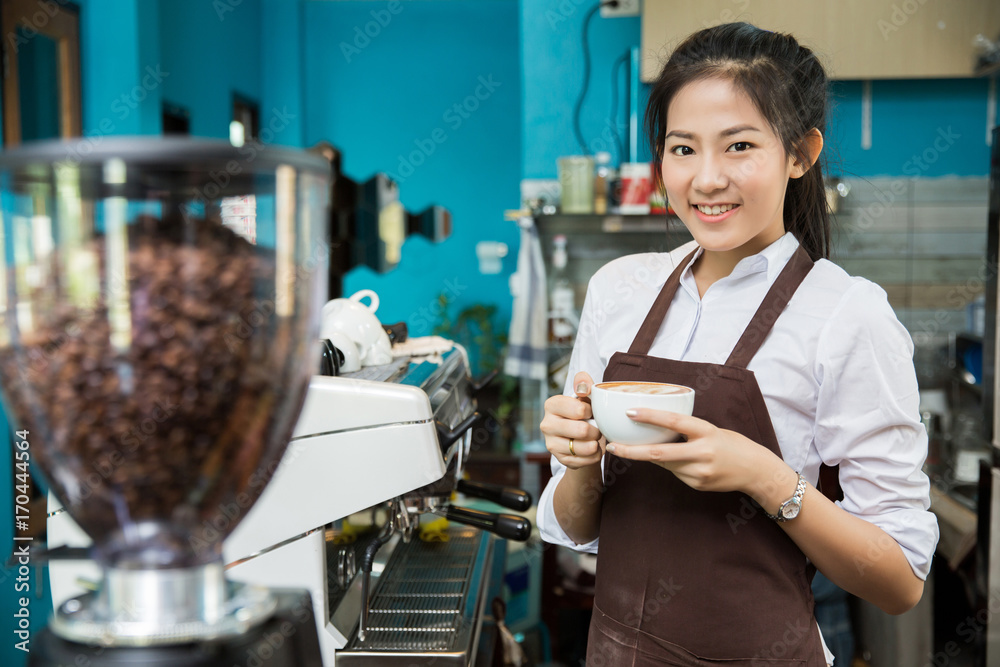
(710, 176)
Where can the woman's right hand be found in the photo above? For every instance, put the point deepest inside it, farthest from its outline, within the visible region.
(566, 420)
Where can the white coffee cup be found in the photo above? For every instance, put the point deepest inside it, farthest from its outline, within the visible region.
(610, 400)
(358, 322)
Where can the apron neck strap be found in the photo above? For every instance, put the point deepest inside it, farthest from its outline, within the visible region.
(654, 318)
(770, 308)
(774, 302)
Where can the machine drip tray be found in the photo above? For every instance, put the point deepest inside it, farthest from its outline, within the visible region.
(429, 604)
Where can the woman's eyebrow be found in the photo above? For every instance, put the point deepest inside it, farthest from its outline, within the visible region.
(725, 133)
(736, 130)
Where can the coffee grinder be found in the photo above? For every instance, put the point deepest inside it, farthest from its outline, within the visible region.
(159, 303)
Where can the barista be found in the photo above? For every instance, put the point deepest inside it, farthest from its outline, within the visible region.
(706, 545)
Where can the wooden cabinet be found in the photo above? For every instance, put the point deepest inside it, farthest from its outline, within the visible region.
(855, 39)
(41, 71)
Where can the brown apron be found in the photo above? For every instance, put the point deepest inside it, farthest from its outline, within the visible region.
(697, 578)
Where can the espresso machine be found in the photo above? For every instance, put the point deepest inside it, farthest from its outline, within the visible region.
(160, 359)
(392, 582)
(374, 459)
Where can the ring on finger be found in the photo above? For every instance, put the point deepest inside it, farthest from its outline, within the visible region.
(572, 451)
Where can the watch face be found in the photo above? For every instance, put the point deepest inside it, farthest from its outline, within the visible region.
(790, 510)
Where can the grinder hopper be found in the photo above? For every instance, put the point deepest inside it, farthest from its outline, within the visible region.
(158, 303)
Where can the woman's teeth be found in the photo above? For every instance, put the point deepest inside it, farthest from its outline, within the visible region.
(715, 210)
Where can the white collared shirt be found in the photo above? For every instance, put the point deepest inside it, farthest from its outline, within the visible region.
(836, 373)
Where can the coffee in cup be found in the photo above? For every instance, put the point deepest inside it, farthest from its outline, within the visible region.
(654, 388)
(610, 401)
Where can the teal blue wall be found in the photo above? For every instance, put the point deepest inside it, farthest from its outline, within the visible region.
(281, 85)
(920, 128)
(121, 87)
(211, 51)
(389, 97)
(553, 75)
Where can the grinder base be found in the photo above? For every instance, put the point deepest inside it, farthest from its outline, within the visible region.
(287, 639)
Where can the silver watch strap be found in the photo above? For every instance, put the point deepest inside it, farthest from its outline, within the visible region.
(800, 490)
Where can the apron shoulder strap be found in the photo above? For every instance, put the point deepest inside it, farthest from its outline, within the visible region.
(770, 308)
(654, 318)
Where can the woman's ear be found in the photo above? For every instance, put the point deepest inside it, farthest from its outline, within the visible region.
(810, 147)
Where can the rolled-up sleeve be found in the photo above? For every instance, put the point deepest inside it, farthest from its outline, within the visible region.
(548, 524)
(585, 357)
(867, 421)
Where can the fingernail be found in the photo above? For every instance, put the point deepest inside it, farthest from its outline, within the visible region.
(632, 413)
(611, 448)
(581, 388)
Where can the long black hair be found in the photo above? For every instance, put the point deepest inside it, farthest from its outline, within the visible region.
(787, 84)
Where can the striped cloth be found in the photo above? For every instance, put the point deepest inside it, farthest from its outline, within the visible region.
(528, 338)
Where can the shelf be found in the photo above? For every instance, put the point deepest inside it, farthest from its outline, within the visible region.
(612, 223)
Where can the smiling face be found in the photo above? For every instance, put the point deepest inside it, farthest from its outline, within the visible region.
(724, 168)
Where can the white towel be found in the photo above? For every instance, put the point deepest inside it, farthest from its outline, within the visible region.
(528, 339)
(428, 348)
(422, 346)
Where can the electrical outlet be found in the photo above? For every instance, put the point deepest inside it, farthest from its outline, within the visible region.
(624, 8)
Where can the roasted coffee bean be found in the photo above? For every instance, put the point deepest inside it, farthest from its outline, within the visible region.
(166, 397)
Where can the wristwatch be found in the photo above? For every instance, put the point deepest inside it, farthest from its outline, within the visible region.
(791, 507)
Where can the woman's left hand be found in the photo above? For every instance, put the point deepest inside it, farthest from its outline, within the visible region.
(712, 459)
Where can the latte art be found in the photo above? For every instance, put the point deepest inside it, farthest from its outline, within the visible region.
(644, 388)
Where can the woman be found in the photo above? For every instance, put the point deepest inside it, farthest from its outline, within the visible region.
(706, 546)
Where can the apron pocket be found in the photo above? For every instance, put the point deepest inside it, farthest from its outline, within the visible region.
(612, 644)
(609, 644)
(652, 651)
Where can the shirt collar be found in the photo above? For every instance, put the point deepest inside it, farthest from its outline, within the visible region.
(770, 260)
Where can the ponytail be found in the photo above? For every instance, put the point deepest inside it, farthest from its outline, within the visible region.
(806, 214)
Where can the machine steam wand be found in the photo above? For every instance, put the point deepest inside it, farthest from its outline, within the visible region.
(399, 520)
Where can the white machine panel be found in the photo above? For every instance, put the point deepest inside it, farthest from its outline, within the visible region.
(343, 404)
